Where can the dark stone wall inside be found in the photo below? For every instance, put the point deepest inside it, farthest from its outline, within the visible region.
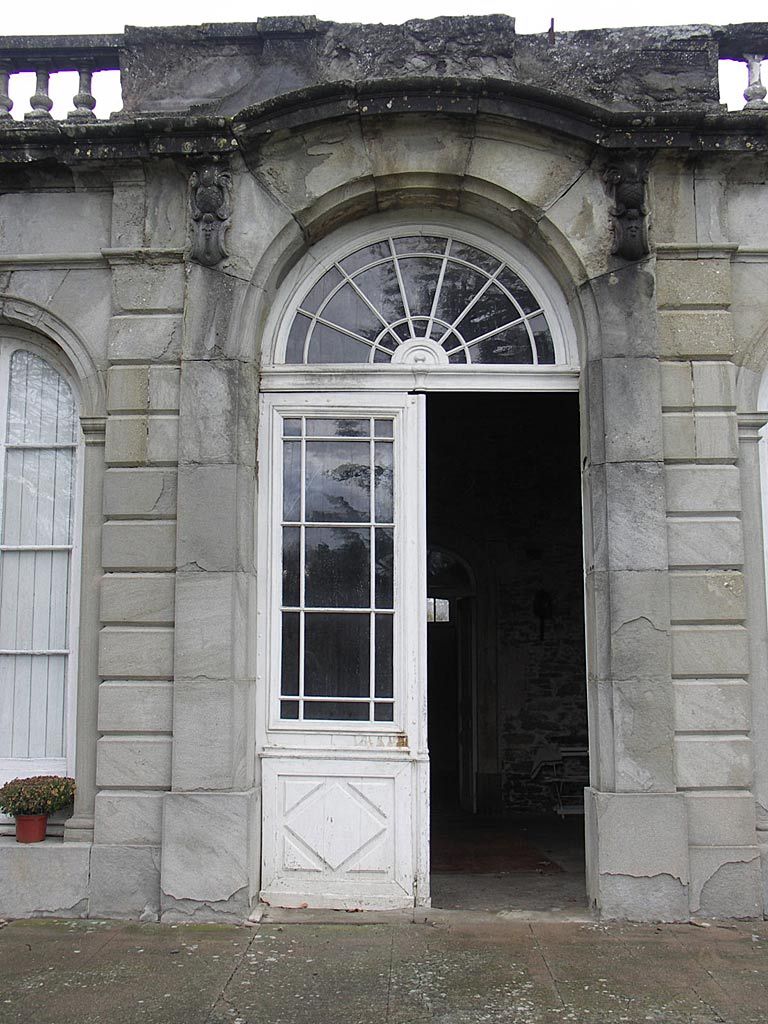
(504, 495)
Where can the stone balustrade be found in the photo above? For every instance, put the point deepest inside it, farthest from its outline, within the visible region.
(147, 56)
(747, 43)
(46, 55)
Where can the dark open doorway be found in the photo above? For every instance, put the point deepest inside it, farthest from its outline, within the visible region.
(506, 668)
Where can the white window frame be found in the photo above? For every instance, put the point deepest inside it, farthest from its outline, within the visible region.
(13, 339)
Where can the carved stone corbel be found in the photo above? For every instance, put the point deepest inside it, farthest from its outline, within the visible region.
(625, 180)
(210, 193)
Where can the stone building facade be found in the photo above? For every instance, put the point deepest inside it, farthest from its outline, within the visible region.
(223, 313)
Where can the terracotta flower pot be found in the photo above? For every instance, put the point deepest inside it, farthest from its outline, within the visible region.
(30, 828)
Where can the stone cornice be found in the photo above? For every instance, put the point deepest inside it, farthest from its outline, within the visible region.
(199, 137)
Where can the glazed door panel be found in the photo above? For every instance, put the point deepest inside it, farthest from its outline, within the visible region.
(342, 651)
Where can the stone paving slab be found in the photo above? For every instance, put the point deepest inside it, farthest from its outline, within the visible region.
(448, 969)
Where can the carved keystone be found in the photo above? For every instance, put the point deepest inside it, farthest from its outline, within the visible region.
(210, 196)
(625, 181)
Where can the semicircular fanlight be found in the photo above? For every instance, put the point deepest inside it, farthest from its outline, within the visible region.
(420, 298)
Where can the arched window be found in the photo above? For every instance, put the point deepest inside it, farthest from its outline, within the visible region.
(38, 448)
(420, 298)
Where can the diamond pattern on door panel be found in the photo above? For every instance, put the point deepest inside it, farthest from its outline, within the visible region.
(334, 824)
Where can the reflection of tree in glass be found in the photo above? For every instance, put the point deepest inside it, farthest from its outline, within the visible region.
(337, 569)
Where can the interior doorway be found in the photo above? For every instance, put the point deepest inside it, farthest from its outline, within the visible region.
(507, 722)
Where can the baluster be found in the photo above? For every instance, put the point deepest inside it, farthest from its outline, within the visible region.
(755, 92)
(6, 103)
(84, 101)
(41, 102)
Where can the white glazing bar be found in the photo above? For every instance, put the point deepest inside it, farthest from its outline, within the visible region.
(438, 289)
(401, 286)
(302, 558)
(372, 557)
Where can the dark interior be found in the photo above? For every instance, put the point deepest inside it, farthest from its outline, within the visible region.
(506, 667)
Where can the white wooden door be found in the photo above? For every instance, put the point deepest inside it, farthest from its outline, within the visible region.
(342, 651)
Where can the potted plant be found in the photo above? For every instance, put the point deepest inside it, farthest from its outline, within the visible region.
(30, 801)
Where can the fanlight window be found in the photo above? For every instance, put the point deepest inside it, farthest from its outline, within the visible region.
(429, 299)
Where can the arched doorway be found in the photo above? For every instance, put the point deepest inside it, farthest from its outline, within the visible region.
(378, 319)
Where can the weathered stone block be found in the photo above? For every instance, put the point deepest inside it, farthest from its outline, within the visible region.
(211, 625)
(164, 382)
(133, 762)
(128, 819)
(674, 217)
(692, 282)
(148, 287)
(135, 493)
(717, 436)
(713, 762)
(127, 389)
(42, 222)
(205, 870)
(144, 338)
(209, 409)
(220, 756)
(721, 819)
(714, 384)
(705, 542)
(47, 879)
(679, 436)
(163, 439)
(128, 210)
(138, 545)
(210, 533)
(131, 652)
(708, 596)
(696, 333)
(136, 707)
(632, 400)
(140, 599)
(636, 536)
(643, 735)
(516, 161)
(676, 385)
(710, 651)
(581, 216)
(211, 316)
(626, 300)
(125, 882)
(637, 855)
(712, 706)
(126, 441)
(726, 882)
(703, 489)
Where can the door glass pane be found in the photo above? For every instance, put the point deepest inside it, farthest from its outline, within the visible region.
(290, 655)
(327, 427)
(338, 711)
(336, 655)
(384, 567)
(291, 566)
(382, 476)
(383, 658)
(292, 481)
(338, 482)
(337, 567)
